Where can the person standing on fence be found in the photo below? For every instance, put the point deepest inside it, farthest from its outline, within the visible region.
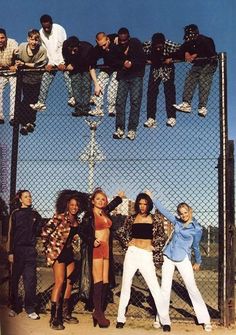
(52, 37)
(107, 76)
(7, 60)
(30, 55)
(186, 237)
(200, 51)
(59, 235)
(25, 225)
(156, 51)
(131, 59)
(143, 237)
(76, 55)
(95, 231)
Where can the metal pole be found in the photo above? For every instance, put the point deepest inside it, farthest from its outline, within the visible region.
(91, 160)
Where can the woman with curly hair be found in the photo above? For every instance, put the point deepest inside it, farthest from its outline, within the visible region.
(58, 237)
(25, 225)
(143, 236)
(95, 231)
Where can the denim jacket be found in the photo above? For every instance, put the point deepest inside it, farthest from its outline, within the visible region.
(184, 239)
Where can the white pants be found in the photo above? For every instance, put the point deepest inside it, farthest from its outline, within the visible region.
(3, 83)
(142, 260)
(186, 271)
(104, 80)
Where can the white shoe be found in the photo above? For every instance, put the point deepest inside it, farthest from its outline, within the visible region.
(171, 122)
(150, 123)
(119, 134)
(131, 135)
(11, 313)
(202, 111)
(34, 316)
(96, 112)
(183, 107)
(39, 106)
(207, 327)
(112, 112)
(71, 102)
(92, 100)
(156, 324)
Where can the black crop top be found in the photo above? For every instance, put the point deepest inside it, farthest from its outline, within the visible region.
(142, 231)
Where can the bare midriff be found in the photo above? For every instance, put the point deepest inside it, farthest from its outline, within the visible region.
(140, 243)
(102, 234)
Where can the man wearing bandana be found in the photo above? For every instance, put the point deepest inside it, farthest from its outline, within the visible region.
(200, 51)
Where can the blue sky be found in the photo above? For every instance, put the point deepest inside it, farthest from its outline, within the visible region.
(85, 18)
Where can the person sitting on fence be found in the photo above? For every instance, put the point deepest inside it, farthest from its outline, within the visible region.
(52, 37)
(59, 235)
(7, 60)
(95, 231)
(25, 225)
(107, 76)
(186, 237)
(200, 51)
(143, 237)
(76, 55)
(131, 60)
(156, 51)
(30, 55)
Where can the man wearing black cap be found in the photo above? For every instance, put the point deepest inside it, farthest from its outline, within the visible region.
(199, 50)
(156, 51)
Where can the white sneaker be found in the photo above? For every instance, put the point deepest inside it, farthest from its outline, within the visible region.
(71, 102)
(150, 123)
(183, 107)
(131, 135)
(112, 112)
(207, 327)
(96, 112)
(92, 100)
(39, 106)
(34, 316)
(11, 313)
(118, 134)
(171, 122)
(156, 324)
(202, 111)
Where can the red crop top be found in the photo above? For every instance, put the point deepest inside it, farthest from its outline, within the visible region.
(102, 222)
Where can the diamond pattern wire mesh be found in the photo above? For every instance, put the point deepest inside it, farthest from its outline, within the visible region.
(177, 164)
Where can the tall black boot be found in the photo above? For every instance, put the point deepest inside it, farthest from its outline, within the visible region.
(105, 288)
(98, 314)
(56, 316)
(66, 313)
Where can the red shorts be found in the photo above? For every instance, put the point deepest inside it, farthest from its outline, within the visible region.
(102, 251)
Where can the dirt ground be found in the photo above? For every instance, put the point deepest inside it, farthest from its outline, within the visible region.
(22, 325)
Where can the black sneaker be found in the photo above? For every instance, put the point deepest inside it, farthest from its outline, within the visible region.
(77, 112)
(166, 328)
(2, 121)
(24, 130)
(30, 127)
(120, 325)
(12, 122)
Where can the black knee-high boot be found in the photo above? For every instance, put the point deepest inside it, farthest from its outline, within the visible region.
(56, 316)
(66, 313)
(98, 315)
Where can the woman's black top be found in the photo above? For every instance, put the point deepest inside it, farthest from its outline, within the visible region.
(142, 231)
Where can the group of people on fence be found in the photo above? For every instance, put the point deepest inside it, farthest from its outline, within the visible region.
(122, 73)
(86, 217)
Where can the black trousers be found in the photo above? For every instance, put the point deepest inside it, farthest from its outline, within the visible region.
(30, 96)
(24, 265)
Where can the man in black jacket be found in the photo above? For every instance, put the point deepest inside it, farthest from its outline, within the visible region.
(199, 50)
(131, 62)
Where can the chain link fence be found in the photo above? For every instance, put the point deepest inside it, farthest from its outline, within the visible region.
(178, 164)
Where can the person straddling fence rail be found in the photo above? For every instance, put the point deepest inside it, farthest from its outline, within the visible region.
(95, 233)
(52, 37)
(200, 51)
(156, 51)
(131, 60)
(143, 236)
(25, 225)
(76, 55)
(58, 236)
(186, 237)
(105, 49)
(30, 55)
(8, 47)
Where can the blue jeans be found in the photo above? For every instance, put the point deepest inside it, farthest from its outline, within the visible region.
(81, 86)
(47, 79)
(201, 76)
(133, 86)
